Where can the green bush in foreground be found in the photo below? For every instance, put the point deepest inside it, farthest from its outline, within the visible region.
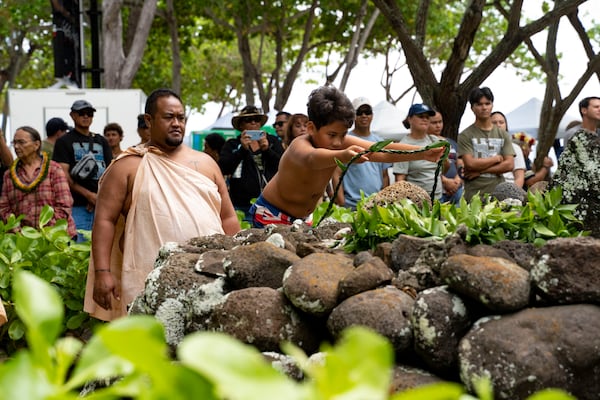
(132, 353)
(48, 253)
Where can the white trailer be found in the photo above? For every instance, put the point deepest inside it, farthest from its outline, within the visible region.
(34, 107)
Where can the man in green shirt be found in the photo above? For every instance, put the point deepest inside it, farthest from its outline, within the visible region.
(55, 128)
(485, 149)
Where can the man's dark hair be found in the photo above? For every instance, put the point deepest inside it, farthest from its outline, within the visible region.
(157, 94)
(113, 126)
(287, 114)
(327, 105)
(478, 93)
(585, 103)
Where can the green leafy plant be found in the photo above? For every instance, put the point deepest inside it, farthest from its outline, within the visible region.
(49, 253)
(542, 218)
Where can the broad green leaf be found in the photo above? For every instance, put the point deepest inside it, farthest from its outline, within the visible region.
(551, 394)
(76, 320)
(348, 374)
(542, 230)
(375, 147)
(30, 233)
(119, 348)
(16, 329)
(66, 351)
(436, 391)
(46, 215)
(40, 308)
(22, 378)
(238, 371)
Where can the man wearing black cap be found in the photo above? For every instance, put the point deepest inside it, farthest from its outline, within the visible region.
(55, 128)
(71, 148)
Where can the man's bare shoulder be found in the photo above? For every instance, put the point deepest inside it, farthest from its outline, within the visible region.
(124, 166)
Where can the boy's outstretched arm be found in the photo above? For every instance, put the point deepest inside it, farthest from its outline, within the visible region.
(432, 155)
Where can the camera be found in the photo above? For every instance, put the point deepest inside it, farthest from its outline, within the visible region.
(255, 135)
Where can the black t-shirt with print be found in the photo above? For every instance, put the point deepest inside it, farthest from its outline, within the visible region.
(71, 147)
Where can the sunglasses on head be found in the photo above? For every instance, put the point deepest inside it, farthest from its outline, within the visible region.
(83, 113)
(364, 112)
(247, 120)
(278, 124)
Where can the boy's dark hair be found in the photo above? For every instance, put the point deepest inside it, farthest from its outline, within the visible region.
(327, 105)
(478, 93)
(157, 94)
(215, 141)
(585, 103)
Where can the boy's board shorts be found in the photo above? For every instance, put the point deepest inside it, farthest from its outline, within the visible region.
(264, 213)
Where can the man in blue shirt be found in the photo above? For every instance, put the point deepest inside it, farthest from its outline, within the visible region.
(369, 177)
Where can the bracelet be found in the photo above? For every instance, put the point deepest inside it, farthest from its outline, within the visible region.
(102, 270)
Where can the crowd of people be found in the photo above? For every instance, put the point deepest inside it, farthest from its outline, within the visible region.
(134, 200)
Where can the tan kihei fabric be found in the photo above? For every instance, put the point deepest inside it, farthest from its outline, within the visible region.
(3, 318)
(170, 203)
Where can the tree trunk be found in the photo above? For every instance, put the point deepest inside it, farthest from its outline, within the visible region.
(120, 69)
(175, 50)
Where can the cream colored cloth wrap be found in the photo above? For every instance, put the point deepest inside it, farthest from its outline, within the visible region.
(169, 203)
(3, 318)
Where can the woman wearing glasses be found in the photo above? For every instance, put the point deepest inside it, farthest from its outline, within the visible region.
(34, 181)
(251, 159)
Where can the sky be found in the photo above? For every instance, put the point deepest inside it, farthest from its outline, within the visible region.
(509, 91)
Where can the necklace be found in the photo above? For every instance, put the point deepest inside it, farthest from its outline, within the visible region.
(28, 188)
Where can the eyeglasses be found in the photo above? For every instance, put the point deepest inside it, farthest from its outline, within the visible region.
(83, 113)
(20, 142)
(247, 120)
(364, 112)
(279, 124)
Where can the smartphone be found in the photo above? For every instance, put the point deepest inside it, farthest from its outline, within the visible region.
(255, 135)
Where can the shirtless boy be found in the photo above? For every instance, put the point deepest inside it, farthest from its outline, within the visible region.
(309, 162)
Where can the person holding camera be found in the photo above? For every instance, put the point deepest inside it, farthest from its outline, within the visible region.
(83, 156)
(251, 159)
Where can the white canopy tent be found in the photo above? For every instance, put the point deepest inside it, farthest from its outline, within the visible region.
(387, 121)
(526, 118)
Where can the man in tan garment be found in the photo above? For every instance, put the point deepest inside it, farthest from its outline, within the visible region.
(166, 192)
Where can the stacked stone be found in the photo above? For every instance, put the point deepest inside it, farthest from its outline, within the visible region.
(528, 318)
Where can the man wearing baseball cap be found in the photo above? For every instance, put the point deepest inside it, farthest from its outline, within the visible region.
(368, 177)
(71, 148)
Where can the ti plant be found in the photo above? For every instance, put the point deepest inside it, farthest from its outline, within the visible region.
(542, 218)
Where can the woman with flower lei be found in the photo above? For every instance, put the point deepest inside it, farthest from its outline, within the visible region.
(34, 181)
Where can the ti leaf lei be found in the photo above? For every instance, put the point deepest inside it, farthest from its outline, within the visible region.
(379, 147)
(28, 188)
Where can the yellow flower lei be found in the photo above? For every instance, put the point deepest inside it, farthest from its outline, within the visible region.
(31, 187)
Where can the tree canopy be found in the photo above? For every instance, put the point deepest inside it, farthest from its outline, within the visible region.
(243, 52)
